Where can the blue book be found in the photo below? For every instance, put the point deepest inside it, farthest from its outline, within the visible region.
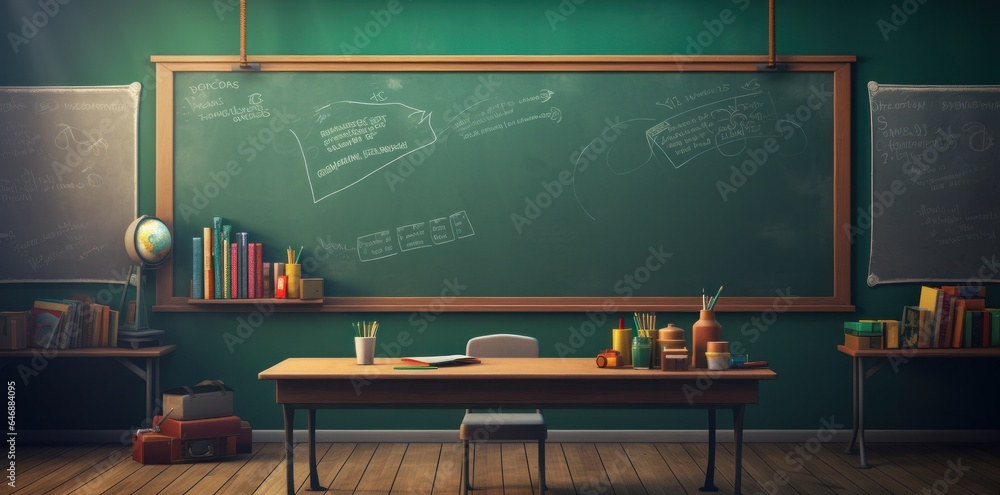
(197, 269)
(242, 240)
(217, 255)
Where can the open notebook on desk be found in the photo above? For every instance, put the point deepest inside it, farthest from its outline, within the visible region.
(450, 360)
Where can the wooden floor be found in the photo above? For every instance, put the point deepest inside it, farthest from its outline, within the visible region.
(585, 468)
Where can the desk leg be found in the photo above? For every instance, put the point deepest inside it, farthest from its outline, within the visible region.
(149, 388)
(156, 386)
(710, 471)
(289, 412)
(313, 475)
(855, 375)
(738, 439)
(861, 411)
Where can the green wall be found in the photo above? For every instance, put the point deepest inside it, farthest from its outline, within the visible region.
(85, 44)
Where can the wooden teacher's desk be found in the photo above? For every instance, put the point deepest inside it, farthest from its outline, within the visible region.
(333, 383)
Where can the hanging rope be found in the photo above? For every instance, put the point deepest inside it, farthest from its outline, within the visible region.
(771, 58)
(243, 34)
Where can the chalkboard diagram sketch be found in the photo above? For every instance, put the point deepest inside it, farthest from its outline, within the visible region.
(357, 139)
(935, 207)
(67, 182)
(552, 183)
(722, 126)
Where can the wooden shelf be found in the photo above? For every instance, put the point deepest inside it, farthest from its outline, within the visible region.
(265, 300)
(946, 352)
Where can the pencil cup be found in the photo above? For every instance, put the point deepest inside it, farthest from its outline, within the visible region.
(294, 274)
(364, 349)
(640, 353)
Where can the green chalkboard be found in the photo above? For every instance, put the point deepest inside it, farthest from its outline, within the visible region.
(521, 184)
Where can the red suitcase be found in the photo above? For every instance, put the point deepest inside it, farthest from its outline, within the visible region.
(225, 426)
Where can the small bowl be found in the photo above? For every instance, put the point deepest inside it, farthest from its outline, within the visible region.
(717, 360)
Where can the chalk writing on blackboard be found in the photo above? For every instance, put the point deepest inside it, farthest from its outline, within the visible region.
(935, 209)
(67, 181)
(357, 139)
(413, 236)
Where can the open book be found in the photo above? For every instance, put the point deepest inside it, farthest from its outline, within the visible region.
(451, 360)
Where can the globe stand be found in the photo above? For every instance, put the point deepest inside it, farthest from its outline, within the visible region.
(137, 334)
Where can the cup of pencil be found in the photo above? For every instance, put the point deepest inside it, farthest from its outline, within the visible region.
(293, 270)
(364, 341)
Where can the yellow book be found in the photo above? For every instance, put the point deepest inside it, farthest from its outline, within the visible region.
(890, 334)
(930, 299)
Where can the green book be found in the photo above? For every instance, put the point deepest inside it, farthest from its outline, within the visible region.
(864, 328)
(227, 263)
(217, 255)
(967, 332)
(994, 327)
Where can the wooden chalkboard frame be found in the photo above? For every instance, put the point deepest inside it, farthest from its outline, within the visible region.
(839, 66)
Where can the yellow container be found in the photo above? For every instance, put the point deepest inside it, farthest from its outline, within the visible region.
(294, 274)
(717, 360)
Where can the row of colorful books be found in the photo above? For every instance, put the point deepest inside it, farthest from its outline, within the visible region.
(953, 316)
(60, 324)
(226, 265)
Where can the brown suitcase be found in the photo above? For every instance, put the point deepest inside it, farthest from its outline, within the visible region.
(244, 441)
(155, 448)
(151, 448)
(200, 428)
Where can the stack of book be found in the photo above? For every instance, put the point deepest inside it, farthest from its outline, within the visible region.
(871, 334)
(954, 316)
(71, 324)
(226, 265)
(14, 329)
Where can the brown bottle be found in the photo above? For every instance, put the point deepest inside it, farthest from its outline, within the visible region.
(705, 330)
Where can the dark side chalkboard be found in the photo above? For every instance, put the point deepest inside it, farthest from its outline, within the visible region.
(935, 183)
(612, 185)
(67, 182)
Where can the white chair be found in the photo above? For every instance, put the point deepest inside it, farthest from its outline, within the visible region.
(480, 426)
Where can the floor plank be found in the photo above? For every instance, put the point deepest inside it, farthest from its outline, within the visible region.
(655, 474)
(512, 469)
(557, 476)
(416, 471)
(266, 458)
(586, 469)
(690, 472)
(382, 469)
(70, 468)
(814, 465)
(514, 463)
(621, 473)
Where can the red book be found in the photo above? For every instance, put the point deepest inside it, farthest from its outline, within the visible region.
(251, 271)
(259, 269)
(234, 274)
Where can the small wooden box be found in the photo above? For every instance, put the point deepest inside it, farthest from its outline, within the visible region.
(855, 342)
(312, 288)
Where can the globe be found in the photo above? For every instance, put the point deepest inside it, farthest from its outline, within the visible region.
(148, 241)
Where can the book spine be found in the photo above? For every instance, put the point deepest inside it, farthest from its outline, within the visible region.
(227, 262)
(266, 277)
(209, 280)
(242, 238)
(969, 321)
(197, 269)
(251, 271)
(259, 257)
(994, 327)
(234, 272)
(277, 270)
(217, 256)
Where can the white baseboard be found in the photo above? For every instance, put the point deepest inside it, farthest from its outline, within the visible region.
(566, 436)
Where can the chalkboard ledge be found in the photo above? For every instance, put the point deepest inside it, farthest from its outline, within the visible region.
(250, 302)
(496, 304)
